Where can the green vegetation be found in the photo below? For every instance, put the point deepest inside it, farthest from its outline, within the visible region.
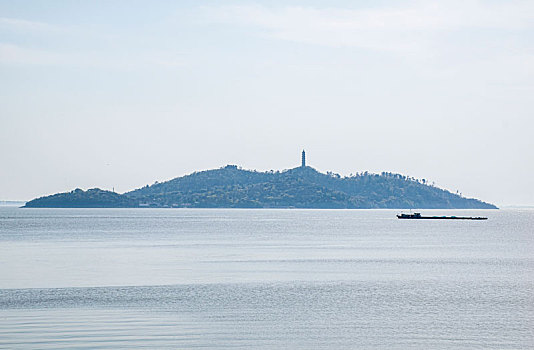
(93, 198)
(303, 187)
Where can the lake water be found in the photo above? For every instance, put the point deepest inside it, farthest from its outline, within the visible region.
(265, 279)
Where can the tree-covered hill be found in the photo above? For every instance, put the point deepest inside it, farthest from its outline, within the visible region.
(302, 187)
(93, 198)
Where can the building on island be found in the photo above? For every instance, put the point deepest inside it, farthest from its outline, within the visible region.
(303, 159)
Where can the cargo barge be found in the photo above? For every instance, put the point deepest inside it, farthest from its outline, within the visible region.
(419, 216)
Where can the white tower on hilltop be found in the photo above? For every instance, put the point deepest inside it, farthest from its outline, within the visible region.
(303, 159)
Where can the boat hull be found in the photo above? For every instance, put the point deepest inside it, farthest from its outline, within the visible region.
(441, 217)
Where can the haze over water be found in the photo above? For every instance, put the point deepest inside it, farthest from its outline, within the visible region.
(296, 279)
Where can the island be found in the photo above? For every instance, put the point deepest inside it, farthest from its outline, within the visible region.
(300, 187)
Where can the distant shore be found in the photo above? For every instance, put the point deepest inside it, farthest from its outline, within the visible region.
(301, 187)
(12, 203)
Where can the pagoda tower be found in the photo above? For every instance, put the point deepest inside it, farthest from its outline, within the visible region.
(303, 159)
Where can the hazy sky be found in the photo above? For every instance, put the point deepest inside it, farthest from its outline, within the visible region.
(124, 93)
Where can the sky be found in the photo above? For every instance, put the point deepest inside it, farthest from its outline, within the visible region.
(120, 94)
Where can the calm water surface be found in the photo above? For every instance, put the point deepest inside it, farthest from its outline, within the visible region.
(265, 279)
